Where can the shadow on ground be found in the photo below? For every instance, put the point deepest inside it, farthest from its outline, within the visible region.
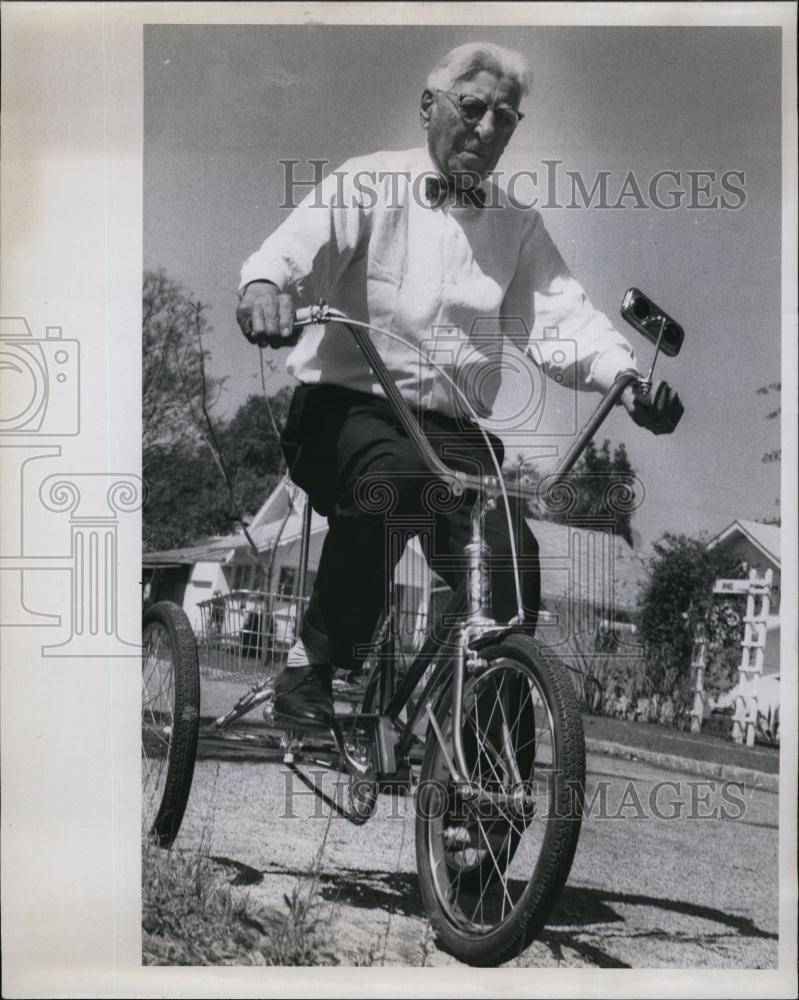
(578, 909)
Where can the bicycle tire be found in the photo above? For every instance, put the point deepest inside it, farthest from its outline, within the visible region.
(170, 719)
(529, 888)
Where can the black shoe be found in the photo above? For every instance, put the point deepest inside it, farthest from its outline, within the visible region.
(305, 694)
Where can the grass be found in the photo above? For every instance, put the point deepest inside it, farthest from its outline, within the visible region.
(190, 915)
(698, 746)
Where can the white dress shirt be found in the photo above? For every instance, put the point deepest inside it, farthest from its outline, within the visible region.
(446, 283)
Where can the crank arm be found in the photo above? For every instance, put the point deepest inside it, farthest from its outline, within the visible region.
(354, 767)
(357, 819)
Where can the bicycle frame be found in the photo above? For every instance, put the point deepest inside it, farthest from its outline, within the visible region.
(466, 618)
(471, 622)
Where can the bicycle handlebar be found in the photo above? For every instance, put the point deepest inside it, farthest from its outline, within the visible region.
(459, 481)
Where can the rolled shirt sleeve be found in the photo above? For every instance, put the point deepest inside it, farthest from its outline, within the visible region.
(569, 339)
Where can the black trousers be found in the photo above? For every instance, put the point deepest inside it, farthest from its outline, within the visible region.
(347, 451)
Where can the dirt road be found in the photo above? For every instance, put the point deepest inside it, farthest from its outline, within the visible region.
(646, 890)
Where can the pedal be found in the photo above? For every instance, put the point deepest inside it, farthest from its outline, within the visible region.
(258, 693)
(361, 770)
(291, 746)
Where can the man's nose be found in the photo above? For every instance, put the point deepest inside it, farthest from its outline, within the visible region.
(486, 127)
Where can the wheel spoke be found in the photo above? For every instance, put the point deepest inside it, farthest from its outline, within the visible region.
(158, 694)
(484, 744)
(498, 870)
(508, 738)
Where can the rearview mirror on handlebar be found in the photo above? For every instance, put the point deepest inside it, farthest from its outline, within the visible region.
(650, 320)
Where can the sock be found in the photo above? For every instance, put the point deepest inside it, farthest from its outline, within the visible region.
(299, 656)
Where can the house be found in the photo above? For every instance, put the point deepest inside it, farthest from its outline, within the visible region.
(758, 545)
(218, 566)
(590, 578)
(590, 582)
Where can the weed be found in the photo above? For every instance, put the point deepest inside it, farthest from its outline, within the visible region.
(191, 916)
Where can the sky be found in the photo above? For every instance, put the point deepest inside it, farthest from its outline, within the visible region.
(223, 105)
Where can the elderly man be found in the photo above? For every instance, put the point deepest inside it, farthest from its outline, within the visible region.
(422, 245)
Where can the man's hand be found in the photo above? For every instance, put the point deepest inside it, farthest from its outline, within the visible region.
(659, 410)
(266, 316)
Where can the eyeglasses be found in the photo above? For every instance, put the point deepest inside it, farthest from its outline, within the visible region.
(472, 110)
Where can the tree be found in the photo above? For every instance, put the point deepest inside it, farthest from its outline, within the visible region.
(172, 376)
(605, 486)
(203, 475)
(677, 597)
(186, 500)
(251, 444)
(775, 454)
(600, 492)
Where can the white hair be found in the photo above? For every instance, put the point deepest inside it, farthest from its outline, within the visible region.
(466, 61)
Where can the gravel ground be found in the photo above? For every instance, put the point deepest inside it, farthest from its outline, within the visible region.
(644, 892)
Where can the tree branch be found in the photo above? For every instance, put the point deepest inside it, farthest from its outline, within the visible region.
(213, 440)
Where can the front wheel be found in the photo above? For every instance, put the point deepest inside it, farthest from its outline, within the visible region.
(491, 867)
(170, 719)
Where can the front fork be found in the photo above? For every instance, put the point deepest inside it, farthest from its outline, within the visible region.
(477, 624)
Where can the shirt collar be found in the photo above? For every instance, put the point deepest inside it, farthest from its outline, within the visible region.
(423, 165)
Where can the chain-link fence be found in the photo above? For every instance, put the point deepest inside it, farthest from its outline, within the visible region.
(245, 635)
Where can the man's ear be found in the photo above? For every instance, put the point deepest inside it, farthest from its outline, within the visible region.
(425, 105)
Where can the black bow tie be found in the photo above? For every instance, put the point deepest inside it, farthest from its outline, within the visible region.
(437, 190)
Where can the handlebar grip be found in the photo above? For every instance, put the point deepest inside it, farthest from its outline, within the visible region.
(304, 316)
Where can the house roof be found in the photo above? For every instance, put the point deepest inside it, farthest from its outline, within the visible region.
(211, 551)
(285, 529)
(576, 562)
(765, 537)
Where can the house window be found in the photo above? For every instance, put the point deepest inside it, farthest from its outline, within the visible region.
(288, 576)
(245, 576)
(287, 581)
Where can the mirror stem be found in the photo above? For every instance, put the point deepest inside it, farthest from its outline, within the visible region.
(657, 349)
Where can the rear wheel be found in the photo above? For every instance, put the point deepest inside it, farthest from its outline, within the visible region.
(491, 870)
(170, 719)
